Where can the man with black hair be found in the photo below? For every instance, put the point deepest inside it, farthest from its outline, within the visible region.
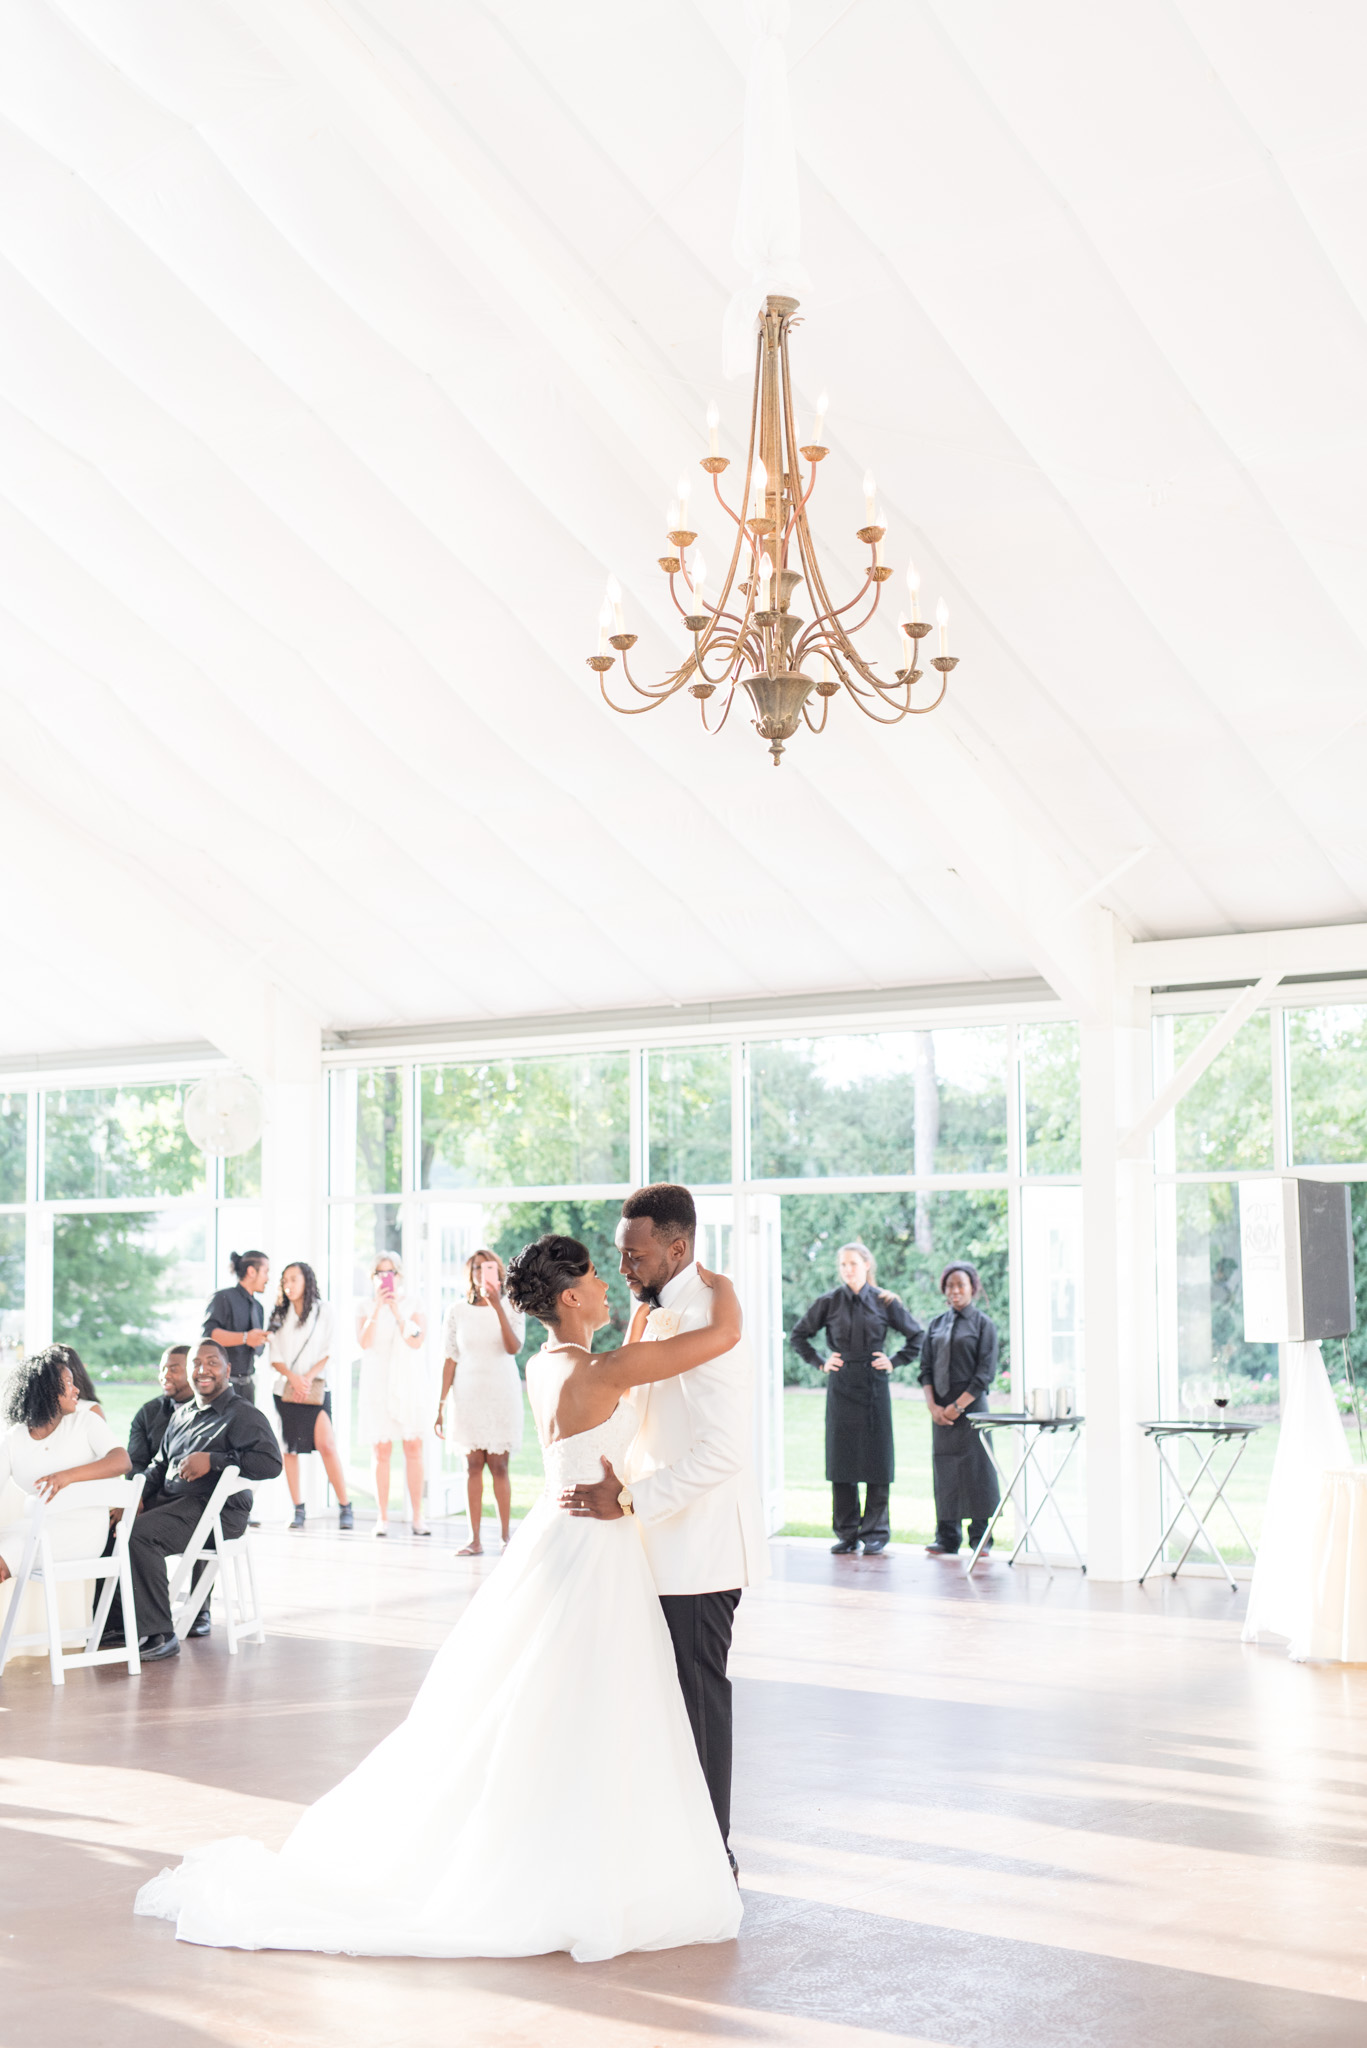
(204, 1436)
(149, 1424)
(689, 1476)
(235, 1320)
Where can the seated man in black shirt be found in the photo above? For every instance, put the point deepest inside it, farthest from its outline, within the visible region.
(203, 1436)
(149, 1424)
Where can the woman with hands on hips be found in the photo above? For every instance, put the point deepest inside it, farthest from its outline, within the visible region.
(393, 1393)
(483, 1336)
(856, 1317)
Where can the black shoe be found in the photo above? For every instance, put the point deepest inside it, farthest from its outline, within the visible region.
(201, 1624)
(115, 1641)
(735, 1867)
(346, 1516)
(151, 1648)
(879, 1543)
(844, 1546)
(941, 1550)
(298, 1521)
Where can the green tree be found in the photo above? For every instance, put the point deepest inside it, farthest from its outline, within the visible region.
(119, 1142)
(849, 1106)
(13, 1148)
(1050, 1062)
(526, 1123)
(108, 1291)
(1225, 1119)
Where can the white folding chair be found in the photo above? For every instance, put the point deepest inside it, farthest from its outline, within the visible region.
(229, 1563)
(38, 1562)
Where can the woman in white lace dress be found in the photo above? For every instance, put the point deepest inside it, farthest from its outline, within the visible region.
(483, 1336)
(545, 1791)
(393, 1393)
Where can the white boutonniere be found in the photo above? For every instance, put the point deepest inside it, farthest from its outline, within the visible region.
(662, 1322)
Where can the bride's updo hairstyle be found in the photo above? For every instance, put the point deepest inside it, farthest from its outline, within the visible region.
(541, 1272)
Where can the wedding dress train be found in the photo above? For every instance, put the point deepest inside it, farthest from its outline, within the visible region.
(543, 1794)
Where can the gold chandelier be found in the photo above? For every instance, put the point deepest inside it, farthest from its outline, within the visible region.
(749, 635)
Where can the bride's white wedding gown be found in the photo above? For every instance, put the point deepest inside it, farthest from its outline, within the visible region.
(544, 1792)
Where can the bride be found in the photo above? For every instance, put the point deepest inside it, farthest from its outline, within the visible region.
(544, 1792)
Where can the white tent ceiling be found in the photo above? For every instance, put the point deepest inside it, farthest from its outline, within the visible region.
(344, 347)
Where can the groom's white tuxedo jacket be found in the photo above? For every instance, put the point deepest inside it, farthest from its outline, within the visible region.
(691, 1467)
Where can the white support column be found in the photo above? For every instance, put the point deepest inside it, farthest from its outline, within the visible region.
(1118, 1263)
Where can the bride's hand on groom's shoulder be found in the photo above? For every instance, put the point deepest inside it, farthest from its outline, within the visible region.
(726, 1307)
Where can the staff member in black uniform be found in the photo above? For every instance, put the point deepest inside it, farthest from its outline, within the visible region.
(236, 1320)
(958, 1365)
(859, 1450)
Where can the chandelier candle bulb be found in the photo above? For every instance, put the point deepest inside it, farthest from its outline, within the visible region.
(615, 600)
(913, 590)
(942, 621)
(604, 626)
(713, 429)
(870, 493)
(674, 516)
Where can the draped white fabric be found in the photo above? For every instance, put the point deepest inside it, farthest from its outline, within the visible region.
(1310, 1444)
(345, 348)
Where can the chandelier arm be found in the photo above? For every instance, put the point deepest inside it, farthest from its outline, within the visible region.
(633, 710)
(807, 716)
(920, 710)
(713, 730)
(873, 717)
(657, 692)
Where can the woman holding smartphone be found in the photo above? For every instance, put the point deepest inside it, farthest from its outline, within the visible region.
(483, 1337)
(393, 1396)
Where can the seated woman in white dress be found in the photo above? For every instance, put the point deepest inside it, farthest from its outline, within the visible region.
(55, 1439)
(545, 1791)
(482, 1338)
(394, 1394)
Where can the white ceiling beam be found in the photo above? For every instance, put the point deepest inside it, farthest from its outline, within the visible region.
(1234, 956)
(1135, 1141)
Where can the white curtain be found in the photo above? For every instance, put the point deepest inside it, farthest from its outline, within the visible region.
(768, 218)
(1312, 1443)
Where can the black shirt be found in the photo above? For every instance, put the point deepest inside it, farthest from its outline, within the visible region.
(148, 1429)
(231, 1431)
(239, 1310)
(857, 1325)
(960, 1354)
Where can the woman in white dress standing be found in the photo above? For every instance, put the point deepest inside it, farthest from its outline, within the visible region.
(394, 1394)
(544, 1792)
(482, 1339)
(300, 1332)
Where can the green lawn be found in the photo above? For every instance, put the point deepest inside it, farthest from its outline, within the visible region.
(807, 1497)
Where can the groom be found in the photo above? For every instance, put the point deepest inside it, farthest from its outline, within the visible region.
(690, 1481)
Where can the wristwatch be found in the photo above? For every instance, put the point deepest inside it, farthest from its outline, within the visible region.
(624, 1501)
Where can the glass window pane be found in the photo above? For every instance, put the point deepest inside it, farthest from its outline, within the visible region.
(359, 1233)
(367, 1131)
(11, 1292)
(119, 1142)
(1225, 1120)
(893, 1102)
(690, 1114)
(526, 1123)
(125, 1284)
(242, 1175)
(1328, 1050)
(13, 1147)
(1051, 1073)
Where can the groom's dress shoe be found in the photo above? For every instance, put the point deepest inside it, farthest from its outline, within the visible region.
(153, 1647)
(845, 1546)
(735, 1867)
(940, 1550)
(878, 1545)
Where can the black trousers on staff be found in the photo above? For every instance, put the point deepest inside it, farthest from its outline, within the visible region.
(873, 1526)
(700, 1626)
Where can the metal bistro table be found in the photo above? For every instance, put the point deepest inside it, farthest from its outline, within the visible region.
(1217, 1433)
(1035, 1427)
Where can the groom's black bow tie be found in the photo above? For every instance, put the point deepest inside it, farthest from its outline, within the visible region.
(650, 1296)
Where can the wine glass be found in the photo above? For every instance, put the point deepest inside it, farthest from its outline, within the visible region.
(1220, 1394)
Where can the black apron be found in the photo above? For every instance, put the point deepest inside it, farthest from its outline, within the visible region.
(964, 1474)
(859, 1447)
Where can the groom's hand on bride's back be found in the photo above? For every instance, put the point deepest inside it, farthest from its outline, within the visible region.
(601, 1500)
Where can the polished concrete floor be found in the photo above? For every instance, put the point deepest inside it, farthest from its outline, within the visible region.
(1006, 1814)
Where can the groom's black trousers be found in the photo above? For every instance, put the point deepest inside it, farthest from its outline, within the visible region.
(700, 1625)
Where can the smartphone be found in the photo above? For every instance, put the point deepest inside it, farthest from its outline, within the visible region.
(386, 1283)
(488, 1274)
